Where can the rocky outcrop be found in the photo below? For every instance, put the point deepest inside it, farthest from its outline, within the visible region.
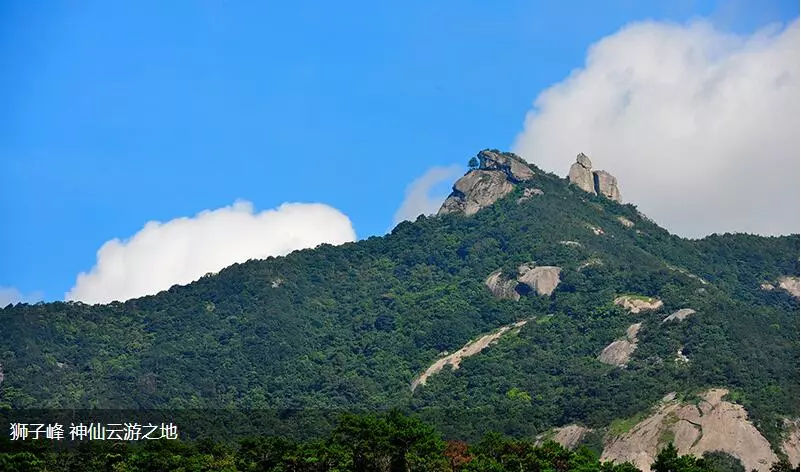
(470, 349)
(513, 166)
(636, 303)
(597, 182)
(476, 190)
(710, 425)
(528, 193)
(479, 188)
(790, 444)
(625, 221)
(679, 315)
(542, 280)
(606, 185)
(569, 436)
(570, 243)
(680, 357)
(787, 283)
(619, 352)
(590, 263)
(580, 174)
(595, 230)
(501, 287)
(790, 285)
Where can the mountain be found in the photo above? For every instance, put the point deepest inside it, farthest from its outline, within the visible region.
(529, 303)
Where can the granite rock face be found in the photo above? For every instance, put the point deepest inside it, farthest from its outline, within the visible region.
(619, 351)
(606, 185)
(514, 167)
(543, 279)
(679, 315)
(596, 182)
(581, 174)
(709, 424)
(476, 190)
(502, 287)
(479, 188)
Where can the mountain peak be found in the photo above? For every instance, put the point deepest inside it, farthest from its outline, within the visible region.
(496, 175)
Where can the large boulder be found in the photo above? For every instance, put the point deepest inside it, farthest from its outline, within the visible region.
(619, 351)
(580, 174)
(513, 166)
(542, 280)
(605, 184)
(596, 182)
(501, 287)
(476, 190)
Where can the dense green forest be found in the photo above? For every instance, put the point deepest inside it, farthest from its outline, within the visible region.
(391, 442)
(349, 327)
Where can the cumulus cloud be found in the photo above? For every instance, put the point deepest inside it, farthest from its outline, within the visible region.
(182, 250)
(12, 295)
(422, 197)
(701, 127)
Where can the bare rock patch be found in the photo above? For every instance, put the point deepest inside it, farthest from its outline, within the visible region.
(619, 351)
(711, 425)
(679, 315)
(637, 303)
(470, 349)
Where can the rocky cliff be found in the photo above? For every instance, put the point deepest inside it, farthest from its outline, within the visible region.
(598, 182)
(495, 177)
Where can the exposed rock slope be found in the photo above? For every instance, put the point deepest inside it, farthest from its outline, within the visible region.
(619, 352)
(679, 315)
(711, 425)
(568, 436)
(479, 188)
(470, 349)
(501, 287)
(790, 285)
(541, 280)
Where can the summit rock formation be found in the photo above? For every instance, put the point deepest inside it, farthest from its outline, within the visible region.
(598, 182)
(581, 174)
(495, 177)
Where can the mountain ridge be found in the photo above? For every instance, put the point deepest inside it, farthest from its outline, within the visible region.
(351, 326)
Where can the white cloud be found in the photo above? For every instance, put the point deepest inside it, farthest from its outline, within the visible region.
(700, 127)
(13, 296)
(421, 198)
(182, 250)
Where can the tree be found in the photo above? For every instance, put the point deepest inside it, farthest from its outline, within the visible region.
(473, 163)
(669, 460)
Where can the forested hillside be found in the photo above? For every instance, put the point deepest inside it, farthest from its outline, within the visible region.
(350, 327)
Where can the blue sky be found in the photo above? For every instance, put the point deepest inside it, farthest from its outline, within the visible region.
(116, 113)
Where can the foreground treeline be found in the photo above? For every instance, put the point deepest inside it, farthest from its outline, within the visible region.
(392, 442)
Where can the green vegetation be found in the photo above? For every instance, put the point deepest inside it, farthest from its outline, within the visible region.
(350, 327)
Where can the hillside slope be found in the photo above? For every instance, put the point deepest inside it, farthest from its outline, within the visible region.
(352, 326)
